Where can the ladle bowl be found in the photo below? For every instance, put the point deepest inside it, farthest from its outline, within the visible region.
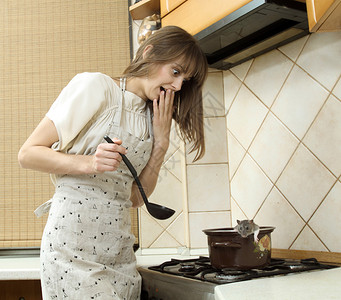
(157, 211)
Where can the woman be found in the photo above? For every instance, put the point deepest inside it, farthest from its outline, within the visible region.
(87, 245)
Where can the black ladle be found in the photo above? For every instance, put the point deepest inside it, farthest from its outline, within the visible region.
(157, 211)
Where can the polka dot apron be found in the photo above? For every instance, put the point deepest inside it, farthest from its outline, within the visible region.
(87, 245)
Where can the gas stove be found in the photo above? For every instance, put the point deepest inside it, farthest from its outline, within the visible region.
(197, 279)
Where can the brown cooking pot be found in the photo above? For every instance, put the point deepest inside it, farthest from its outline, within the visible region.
(227, 249)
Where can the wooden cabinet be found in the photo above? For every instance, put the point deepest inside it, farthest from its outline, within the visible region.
(324, 15)
(166, 6)
(144, 8)
(20, 290)
(196, 15)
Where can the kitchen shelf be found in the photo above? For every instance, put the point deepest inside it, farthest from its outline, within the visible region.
(144, 9)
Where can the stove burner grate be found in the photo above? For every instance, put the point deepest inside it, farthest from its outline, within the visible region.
(201, 269)
(187, 267)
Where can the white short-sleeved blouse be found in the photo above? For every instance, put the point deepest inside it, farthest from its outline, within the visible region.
(86, 106)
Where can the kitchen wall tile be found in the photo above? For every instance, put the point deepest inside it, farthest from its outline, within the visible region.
(241, 70)
(304, 182)
(293, 49)
(200, 221)
(321, 57)
(273, 146)
(308, 241)
(324, 137)
(213, 95)
(267, 74)
(173, 164)
(305, 107)
(249, 187)
(337, 89)
(299, 101)
(150, 229)
(236, 213)
(208, 187)
(177, 229)
(326, 222)
(174, 142)
(245, 116)
(231, 87)
(168, 192)
(165, 240)
(235, 153)
(215, 142)
(277, 212)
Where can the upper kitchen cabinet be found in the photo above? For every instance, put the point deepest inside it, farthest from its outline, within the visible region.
(166, 6)
(196, 15)
(324, 15)
(144, 8)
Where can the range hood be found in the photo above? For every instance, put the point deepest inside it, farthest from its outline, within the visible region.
(255, 28)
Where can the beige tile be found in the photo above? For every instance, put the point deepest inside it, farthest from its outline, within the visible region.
(273, 146)
(249, 187)
(321, 57)
(267, 75)
(174, 165)
(326, 222)
(236, 213)
(305, 182)
(293, 49)
(215, 142)
(213, 95)
(245, 116)
(200, 221)
(235, 153)
(212, 70)
(337, 90)
(241, 70)
(277, 212)
(174, 142)
(165, 240)
(308, 241)
(208, 187)
(324, 137)
(231, 87)
(177, 229)
(168, 192)
(299, 101)
(149, 229)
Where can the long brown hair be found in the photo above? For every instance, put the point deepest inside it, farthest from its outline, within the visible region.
(171, 43)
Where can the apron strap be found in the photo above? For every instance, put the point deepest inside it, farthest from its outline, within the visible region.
(123, 84)
(118, 116)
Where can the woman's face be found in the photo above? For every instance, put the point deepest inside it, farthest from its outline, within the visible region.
(168, 76)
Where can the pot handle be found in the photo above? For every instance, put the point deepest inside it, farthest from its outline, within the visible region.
(225, 245)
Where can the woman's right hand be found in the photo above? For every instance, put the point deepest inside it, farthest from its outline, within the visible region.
(36, 154)
(108, 156)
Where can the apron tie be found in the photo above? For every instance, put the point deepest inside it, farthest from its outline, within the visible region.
(43, 209)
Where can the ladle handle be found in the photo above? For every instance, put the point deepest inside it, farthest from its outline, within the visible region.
(132, 171)
(125, 159)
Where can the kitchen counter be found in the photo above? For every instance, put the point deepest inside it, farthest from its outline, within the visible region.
(27, 268)
(321, 284)
(19, 268)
